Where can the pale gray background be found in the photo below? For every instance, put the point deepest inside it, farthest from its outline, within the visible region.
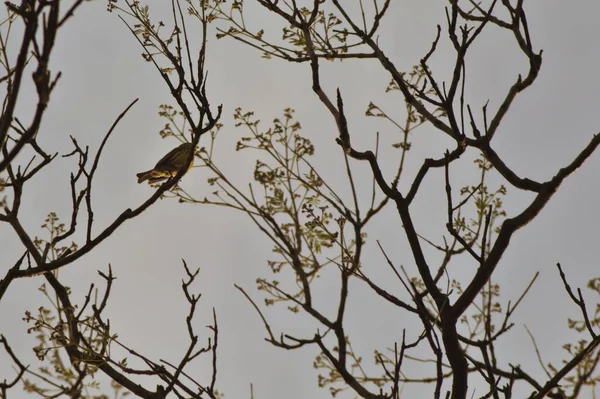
(103, 72)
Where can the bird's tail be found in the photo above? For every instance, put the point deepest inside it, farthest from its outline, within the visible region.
(153, 176)
(143, 176)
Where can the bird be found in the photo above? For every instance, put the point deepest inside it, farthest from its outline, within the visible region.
(169, 165)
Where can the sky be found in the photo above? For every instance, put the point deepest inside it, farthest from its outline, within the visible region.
(102, 72)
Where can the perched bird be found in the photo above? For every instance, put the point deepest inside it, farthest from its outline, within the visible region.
(169, 165)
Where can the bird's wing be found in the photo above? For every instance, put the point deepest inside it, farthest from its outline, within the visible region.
(167, 160)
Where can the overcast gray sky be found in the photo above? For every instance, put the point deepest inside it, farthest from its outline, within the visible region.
(103, 72)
